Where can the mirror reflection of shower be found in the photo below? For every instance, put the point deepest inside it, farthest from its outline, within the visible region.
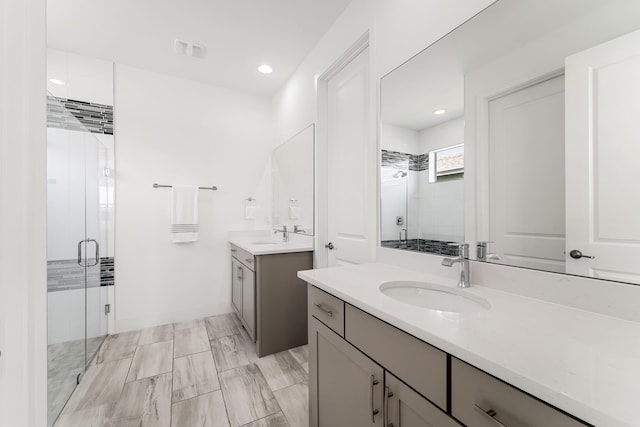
(395, 212)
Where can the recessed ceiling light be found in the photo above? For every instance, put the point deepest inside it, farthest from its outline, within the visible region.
(56, 82)
(265, 69)
(439, 112)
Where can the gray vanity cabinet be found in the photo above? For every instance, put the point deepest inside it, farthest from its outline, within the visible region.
(243, 289)
(345, 384)
(236, 285)
(350, 350)
(406, 408)
(479, 399)
(270, 299)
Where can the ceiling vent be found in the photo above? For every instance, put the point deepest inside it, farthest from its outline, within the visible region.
(189, 49)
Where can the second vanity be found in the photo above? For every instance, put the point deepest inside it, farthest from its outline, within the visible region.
(510, 360)
(266, 294)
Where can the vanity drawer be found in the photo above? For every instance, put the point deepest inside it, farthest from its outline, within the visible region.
(420, 365)
(327, 309)
(475, 395)
(243, 256)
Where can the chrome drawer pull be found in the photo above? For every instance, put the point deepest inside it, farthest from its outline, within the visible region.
(324, 310)
(249, 260)
(490, 413)
(374, 412)
(387, 395)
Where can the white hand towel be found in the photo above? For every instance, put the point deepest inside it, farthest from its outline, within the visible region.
(294, 212)
(249, 212)
(184, 214)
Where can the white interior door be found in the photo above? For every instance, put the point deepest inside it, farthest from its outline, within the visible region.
(351, 166)
(526, 176)
(603, 147)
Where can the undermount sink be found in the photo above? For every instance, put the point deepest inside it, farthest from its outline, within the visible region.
(434, 297)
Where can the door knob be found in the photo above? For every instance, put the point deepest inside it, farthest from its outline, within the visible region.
(576, 254)
(329, 246)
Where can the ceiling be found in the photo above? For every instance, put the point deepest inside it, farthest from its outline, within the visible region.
(238, 35)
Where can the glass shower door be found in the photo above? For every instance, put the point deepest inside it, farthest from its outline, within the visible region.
(78, 213)
(96, 244)
(66, 261)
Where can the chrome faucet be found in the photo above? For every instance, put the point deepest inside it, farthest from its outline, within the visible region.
(285, 233)
(298, 229)
(463, 260)
(405, 236)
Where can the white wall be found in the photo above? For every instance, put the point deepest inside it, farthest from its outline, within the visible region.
(396, 138)
(441, 207)
(23, 210)
(84, 78)
(443, 135)
(175, 131)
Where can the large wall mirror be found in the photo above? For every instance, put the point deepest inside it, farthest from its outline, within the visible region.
(518, 133)
(292, 183)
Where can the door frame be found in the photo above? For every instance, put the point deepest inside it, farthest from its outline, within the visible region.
(321, 147)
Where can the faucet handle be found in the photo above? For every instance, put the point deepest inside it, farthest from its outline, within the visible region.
(463, 249)
(481, 249)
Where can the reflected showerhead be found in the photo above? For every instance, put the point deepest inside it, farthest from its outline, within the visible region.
(399, 174)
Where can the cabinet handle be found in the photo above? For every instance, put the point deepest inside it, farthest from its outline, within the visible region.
(239, 272)
(491, 414)
(374, 412)
(387, 395)
(324, 310)
(249, 260)
(234, 250)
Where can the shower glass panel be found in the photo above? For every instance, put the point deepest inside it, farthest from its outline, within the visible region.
(78, 195)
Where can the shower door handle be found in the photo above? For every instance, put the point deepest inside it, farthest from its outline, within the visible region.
(80, 253)
(97, 252)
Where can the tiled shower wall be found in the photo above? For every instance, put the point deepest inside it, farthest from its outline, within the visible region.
(67, 274)
(398, 160)
(79, 115)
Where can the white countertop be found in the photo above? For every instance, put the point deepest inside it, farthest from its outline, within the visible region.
(584, 363)
(264, 242)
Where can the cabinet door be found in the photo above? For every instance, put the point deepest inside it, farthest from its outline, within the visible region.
(249, 301)
(345, 386)
(236, 286)
(406, 408)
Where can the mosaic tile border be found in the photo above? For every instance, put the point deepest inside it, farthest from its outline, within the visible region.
(79, 115)
(107, 271)
(399, 160)
(438, 247)
(64, 275)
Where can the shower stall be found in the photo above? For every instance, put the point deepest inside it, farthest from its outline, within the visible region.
(79, 239)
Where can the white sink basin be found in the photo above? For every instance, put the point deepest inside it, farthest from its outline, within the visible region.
(264, 243)
(434, 297)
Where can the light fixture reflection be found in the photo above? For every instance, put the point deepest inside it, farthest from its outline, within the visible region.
(265, 69)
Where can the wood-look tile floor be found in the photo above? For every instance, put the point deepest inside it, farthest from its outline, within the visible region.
(203, 373)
